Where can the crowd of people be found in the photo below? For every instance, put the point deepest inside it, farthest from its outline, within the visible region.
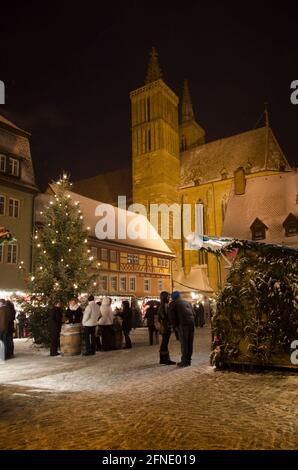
(172, 314)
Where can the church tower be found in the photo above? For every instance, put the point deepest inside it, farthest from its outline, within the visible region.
(155, 139)
(155, 143)
(191, 134)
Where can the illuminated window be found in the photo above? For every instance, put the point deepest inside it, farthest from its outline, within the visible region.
(12, 252)
(160, 284)
(132, 259)
(123, 283)
(14, 166)
(94, 252)
(147, 285)
(14, 207)
(132, 284)
(113, 256)
(114, 283)
(104, 254)
(163, 263)
(103, 283)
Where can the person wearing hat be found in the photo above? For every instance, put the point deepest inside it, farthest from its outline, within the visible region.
(181, 316)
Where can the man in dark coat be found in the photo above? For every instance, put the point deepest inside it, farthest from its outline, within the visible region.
(164, 329)
(4, 326)
(10, 330)
(55, 324)
(150, 315)
(182, 318)
(126, 316)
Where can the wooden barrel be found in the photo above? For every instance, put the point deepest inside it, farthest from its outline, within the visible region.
(70, 339)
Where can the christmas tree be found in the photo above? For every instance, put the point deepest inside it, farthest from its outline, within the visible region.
(62, 261)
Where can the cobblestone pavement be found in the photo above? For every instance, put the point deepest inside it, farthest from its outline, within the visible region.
(125, 400)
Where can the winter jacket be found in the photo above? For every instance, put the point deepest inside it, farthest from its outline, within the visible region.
(107, 315)
(74, 315)
(163, 318)
(4, 318)
(126, 316)
(181, 313)
(12, 316)
(91, 314)
(150, 315)
(55, 319)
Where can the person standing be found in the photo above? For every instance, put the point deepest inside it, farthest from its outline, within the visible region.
(126, 315)
(106, 325)
(164, 329)
(4, 326)
(90, 319)
(74, 312)
(150, 315)
(55, 324)
(181, 316)
(11, 329)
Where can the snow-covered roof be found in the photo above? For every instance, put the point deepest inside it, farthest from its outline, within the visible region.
(269, 198)
(253, 150)
(88, 206)
(195, 280)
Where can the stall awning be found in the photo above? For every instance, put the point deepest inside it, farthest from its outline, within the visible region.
(195, 281)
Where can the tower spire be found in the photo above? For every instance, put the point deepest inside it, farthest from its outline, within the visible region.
(154, 71)
(187, 109)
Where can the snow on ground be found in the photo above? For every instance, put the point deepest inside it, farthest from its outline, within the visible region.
(125, 400)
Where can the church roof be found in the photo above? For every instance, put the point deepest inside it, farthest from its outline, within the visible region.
(254, 150)
(268, 198)
(106, 186)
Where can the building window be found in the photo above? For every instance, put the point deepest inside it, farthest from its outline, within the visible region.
(2, 205)
(163, 263)
(291, 225)
(14, 208)
(103, 283)
(14, 167)
(12, 251)
(113, 256)
(132, 284)
(104, 254)
(94, 252)
(3, 163)
(224, 206)
(1, 253)
(132, 259)
(114, 283)
(239, 181)
(123, 283)
(147, 285)
(258, 230)
(160, 285)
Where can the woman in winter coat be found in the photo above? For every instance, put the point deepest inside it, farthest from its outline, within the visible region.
(106, 325)
(126, 316)
(74, 313)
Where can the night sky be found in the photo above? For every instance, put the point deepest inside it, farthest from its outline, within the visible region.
(69, 67)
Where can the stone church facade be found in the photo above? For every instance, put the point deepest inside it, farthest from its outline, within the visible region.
(173, 164)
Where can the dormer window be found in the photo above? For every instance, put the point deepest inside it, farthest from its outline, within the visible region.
(291, 225)
(2, 163)
(258, 230)
(13, 166)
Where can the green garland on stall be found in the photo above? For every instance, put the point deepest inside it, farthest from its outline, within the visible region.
(257, 309)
